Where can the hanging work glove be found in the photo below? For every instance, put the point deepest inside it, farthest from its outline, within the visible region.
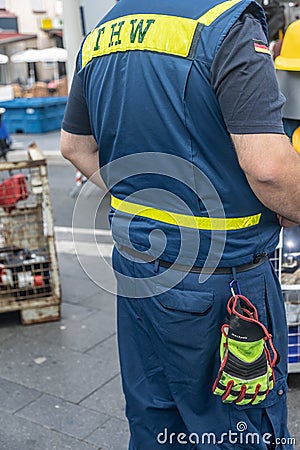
(246, 374)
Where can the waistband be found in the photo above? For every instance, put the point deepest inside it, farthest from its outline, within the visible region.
(258, 260)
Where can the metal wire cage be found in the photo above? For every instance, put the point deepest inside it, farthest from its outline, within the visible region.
(29, 276)
(287, 267)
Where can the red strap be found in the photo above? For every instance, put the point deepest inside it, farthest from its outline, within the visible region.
(252, 317)
(242, 394)
(228, 389)
(255, 393)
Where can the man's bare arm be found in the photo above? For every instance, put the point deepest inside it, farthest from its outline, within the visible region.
(272, 168)
(82, 152)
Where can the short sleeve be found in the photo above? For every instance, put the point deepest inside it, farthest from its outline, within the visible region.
(244, 80)
(76, 119)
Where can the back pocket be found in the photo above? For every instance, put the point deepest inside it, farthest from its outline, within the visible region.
(188, 328)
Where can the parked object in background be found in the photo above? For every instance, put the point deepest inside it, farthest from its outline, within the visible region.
(5, 139)
(54, 55)
(6, 90)
(40, 89)
(292, 305)
(3, 59)
(17, 90)
(274, 11)
(35, 115)
(29, 277)
(286, 261)
(288, 74)
(51, 87)
(47, 55)
(24, 273)
(6, 93)
(30, 56)
(289, 58)
(11, 191)
(62, 87)
(80, 180)
(57, 88)
(296, 140)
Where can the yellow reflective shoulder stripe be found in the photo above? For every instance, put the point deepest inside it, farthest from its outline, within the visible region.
(183, 220)
(153, 32)
(210, 16)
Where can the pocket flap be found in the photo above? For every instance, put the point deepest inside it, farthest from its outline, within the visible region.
(189, 301)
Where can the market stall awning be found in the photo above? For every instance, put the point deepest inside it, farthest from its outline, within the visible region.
(10, 37)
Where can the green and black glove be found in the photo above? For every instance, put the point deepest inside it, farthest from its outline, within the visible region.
(246, 374)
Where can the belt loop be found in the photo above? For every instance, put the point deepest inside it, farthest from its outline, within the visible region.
(233, 269)
(156, 265)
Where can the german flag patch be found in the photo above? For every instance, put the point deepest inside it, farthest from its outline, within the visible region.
(261, 47)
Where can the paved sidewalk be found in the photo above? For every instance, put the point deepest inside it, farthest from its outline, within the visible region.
(47, 141)
(59, 382)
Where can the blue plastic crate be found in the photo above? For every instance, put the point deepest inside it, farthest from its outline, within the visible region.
(34, 115)
(294, 344)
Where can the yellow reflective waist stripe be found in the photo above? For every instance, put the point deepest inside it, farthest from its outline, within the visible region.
(183, 220)
(153, 32)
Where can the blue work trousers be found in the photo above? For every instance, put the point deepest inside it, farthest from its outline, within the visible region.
(169, 355)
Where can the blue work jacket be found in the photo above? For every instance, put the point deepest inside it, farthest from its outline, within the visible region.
(178, 191)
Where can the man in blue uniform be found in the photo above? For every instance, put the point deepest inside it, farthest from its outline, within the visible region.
(178, 104)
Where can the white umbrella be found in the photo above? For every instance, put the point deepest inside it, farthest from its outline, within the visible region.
(31, 55)
(55, 55)
(28, 56)
(3, 59)
(51, 54)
